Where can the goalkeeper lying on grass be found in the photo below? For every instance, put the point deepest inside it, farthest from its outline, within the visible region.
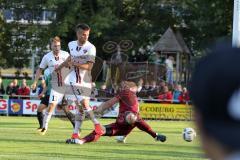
(127, 119)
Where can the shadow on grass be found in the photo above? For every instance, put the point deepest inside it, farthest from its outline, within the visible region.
(130, 152)
(31, 140)
(153, 144)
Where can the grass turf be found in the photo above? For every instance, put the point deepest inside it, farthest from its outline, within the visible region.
(19, 140)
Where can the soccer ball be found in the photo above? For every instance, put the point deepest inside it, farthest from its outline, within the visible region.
(130, 118)
(189, 134)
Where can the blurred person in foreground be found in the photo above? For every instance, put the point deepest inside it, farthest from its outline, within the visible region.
(215, 92)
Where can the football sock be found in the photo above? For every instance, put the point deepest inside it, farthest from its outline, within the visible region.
(92, 137)
(40, 119)
(71, 118)
(78, 122)
(91, 114)
(142, 125)
(46, 119)
(77, 127)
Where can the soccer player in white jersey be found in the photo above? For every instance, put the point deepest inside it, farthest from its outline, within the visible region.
(82, 58)
(51, 61)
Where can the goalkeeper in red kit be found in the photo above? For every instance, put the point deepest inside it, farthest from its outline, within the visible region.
(127, 119)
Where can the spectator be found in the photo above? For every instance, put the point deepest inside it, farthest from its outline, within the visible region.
(162, 84)
(9, 88)
(102, 92)
(215, 92)
(156, 62)
(15, 83)
(177, 92)
(156, 58)
(24, 90)
(140, 85)
(15, 88)
(146, 86)
(154, 90)
(12, 90)
(144, 90)
(2, 90)
(169, 66)
(166, 96)
(184, 96)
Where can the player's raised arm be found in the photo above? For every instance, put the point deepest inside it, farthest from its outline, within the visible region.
(106, 105)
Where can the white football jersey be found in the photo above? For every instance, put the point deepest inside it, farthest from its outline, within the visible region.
(81, 55)
(51, 62)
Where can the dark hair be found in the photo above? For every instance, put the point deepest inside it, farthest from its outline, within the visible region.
(82, 26)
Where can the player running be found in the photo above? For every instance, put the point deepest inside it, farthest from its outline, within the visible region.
(81, 60)
(127, 119)
(45, 99)
(51, 61)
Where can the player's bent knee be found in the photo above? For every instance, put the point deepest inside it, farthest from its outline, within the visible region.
(79, 117)
(41, 107)
(88, 109)
(51, 108)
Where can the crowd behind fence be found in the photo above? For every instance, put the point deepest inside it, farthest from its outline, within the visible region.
(158, 91)
(149, 109)
(158, 99)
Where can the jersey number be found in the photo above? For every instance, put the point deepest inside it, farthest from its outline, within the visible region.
(79, 92)
(53, 98)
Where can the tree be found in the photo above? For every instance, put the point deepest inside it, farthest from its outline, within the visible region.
(142, 21)
(207, 21)
(4, 47)
(22, 39)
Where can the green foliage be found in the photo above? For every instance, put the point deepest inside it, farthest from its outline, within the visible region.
(207, 21)
(3, 45)
(142, 21)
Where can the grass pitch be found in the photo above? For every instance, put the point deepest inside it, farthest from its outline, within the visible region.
(19, 140)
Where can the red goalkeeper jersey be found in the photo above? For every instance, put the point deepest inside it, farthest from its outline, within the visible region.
(128, 101)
